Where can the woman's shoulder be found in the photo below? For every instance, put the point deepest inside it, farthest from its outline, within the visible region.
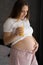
(9, 21)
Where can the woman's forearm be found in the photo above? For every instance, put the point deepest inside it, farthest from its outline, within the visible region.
(9, 39)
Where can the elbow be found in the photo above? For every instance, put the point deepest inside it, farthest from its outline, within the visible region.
(5, 41)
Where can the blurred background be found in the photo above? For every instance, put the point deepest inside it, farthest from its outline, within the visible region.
(36, 21)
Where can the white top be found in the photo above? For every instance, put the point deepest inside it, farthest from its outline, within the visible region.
(11, 24)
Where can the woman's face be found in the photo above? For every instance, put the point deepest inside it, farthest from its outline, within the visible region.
(24, 12)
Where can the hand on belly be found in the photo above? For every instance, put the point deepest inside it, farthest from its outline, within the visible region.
(29, 43)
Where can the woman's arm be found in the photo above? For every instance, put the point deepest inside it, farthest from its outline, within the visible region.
(8, 37)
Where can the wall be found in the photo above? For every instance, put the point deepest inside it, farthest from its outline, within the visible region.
(5, 10)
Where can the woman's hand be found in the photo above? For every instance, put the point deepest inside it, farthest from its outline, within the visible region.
(36, 46)
(19, 31)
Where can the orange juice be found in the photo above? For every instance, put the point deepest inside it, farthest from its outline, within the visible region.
(22, 34)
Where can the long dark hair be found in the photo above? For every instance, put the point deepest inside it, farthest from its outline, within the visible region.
(16, 11)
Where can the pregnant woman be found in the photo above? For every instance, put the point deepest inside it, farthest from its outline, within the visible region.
(17, 31)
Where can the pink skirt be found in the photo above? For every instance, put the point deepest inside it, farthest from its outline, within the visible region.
(22, 57)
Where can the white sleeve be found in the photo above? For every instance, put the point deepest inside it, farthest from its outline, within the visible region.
(29, 26)
(7, 27)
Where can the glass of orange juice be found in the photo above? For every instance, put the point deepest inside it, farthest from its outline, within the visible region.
(22, 34)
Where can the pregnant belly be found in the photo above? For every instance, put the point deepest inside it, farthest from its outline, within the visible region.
(26, 43)
(29, 43)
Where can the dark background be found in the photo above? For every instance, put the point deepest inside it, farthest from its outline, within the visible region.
(36, 20)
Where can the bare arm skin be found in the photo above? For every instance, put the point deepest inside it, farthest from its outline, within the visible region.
(8, 37)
